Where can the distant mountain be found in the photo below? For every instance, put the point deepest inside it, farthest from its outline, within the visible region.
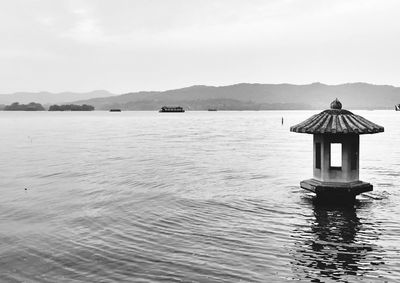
(50, 98)
(256, 97)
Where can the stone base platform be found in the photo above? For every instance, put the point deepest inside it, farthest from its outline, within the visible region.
(336, 191)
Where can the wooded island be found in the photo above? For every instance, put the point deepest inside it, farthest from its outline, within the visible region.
(33, 106)
(71, 107)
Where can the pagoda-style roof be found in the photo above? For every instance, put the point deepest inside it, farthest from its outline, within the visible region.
(337, 121)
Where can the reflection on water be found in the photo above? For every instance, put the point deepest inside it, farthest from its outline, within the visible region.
(199, 197)
(338, 245)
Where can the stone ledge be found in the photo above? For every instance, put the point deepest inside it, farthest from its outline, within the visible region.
(336, 188)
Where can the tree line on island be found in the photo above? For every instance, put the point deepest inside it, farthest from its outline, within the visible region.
(71, 107)
(39, 107)
(24, 107)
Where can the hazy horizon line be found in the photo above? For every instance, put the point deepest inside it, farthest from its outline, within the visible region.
(194, 85)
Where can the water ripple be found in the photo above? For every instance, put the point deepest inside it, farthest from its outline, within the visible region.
(203, 197)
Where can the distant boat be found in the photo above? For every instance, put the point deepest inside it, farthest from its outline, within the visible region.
(212, 109)
(397, 107)
(170, 109)
(115, 110)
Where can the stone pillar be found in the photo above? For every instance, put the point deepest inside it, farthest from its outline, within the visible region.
(322, 170)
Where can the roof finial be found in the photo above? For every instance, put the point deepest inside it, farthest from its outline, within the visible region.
(336, 104)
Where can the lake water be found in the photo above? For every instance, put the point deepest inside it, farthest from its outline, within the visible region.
(188, 197)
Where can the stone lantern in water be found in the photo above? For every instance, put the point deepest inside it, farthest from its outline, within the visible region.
(336, 152)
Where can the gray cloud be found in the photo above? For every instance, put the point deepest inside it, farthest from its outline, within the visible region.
(128, 45)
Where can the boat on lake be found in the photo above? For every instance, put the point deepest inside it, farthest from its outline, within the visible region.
(397, 107)
(169, 109)
(212, 109)
(115, 110)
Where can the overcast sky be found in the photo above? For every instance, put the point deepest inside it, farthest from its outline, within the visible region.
(131, 45)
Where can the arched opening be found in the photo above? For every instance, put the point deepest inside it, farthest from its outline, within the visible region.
(335, 156)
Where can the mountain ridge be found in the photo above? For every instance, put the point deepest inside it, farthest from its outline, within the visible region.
(249, 96)
(240, 96)
(46, 97)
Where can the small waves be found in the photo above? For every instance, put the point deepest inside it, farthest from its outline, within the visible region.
(199, 199)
